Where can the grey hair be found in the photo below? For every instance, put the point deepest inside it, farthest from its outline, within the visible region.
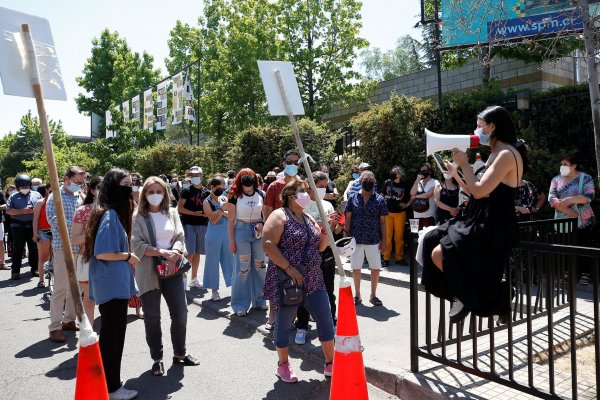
(366, 174)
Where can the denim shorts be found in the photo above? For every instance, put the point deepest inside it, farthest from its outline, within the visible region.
(194, 238)
(44, 234)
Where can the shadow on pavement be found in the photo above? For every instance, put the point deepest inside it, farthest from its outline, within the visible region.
(25, 280)
(45, 348)
(157, 387)
(33, 291)
(310, 389)
(379, 313)
(237, 331)
(207, 315)
(66, 370)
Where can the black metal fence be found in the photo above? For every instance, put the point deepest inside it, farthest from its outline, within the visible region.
(551, 318)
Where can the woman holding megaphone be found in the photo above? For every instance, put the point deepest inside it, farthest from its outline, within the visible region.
(464, 258)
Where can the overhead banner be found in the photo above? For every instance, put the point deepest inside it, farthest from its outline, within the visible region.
(190, 114)
(125, 109)
(135, 108)
(177, 98)
(472, 22)
(148, 111)
(161, 106)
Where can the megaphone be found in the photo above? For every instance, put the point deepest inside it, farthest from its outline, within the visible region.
(436, 142)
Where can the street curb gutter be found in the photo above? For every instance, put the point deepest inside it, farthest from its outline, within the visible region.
(406, 387)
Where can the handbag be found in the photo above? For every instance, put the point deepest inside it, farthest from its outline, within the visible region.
(559, 215)
(420, 205)
(164, 267)
(291, 293)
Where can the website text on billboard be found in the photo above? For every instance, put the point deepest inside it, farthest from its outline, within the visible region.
(535, 25)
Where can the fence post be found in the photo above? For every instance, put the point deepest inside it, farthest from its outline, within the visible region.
(414, 305)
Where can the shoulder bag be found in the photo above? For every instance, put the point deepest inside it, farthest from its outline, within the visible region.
(420, 205)
(291, 293)
(163, 267)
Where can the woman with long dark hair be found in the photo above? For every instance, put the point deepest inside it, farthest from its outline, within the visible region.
(245, 225)
(78, 234)
(464, 258)
(111, 284)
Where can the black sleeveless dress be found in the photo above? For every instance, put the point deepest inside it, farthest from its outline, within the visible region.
(476, 247)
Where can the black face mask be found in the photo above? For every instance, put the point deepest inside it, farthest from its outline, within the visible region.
(124, 191)
(424, 174)
(393, 176)
(368, 185)
(218, 191)
(248, 180)
(269, 180)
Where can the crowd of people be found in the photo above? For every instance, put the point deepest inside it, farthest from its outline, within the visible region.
(266, 237)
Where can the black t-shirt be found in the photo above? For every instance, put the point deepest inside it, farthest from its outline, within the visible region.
(2, 202)
(394, 194)
(194, 198)
(330, 189)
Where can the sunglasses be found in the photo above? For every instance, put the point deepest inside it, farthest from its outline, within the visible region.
(291, 162)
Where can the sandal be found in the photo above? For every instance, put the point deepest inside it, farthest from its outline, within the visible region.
(375, 301)
(357, 300)
(158, 368)
(41, 284)
(187, 361)
(270, 326)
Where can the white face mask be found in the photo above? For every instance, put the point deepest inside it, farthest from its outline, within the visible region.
(155, 199)
(135, 189)
(447, 176)
(10, 193)
(302, 199)
(196, 180)
(321, 193)
(25, 191)
(565, 170)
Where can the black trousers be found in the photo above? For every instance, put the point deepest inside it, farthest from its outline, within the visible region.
(21, 235)
(112, 340)
(328, 269)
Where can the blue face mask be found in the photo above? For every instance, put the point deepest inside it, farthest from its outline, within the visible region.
(484, 139)
(291, 170)
(355, 175)
(74, 188)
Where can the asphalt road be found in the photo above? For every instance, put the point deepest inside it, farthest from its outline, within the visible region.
(236, 362)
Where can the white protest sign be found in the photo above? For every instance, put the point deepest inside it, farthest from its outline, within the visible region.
(14, 69)
(275, 101)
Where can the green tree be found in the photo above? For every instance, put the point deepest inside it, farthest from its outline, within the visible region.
(404, 59)
(112, 74)
(25, 144)
(321, 38)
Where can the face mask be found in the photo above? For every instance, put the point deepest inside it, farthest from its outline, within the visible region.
(447, 176)
(248, 180)
(269, 180)
(484, 139)
(25, 191)
(196, 180)
(135, 189)
(321, 193)
(155, 199)
(35, 188)
(291, 170)
(10, 193)
(355, 175)
(424, 174)
(74, 188)
(368, 185)
(302, 199)
(218, 191)
(124, 191)
(565, 170)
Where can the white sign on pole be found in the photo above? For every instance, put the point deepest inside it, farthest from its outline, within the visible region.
(274, 99)
(14, 69)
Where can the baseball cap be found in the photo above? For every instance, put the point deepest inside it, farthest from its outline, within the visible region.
(364, 165)
(195, 170)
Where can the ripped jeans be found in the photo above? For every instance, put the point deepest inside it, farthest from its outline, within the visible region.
(249, 272)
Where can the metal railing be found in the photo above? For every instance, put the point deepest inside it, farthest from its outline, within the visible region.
(550, 318)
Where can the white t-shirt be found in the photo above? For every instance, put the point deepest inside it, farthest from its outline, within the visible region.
(431, 210)
(312, 209)
(164, 230)
(248, 208)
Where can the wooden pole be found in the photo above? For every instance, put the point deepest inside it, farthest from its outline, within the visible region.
(311, 181)
(58, 205)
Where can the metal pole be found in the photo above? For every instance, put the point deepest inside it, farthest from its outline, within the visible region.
(198, 107)
(311, 181)
(438, 58)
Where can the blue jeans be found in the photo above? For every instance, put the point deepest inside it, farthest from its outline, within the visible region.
(317, 304)
(217, 252)
(249, 273)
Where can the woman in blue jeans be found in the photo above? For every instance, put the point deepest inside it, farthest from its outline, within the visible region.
(245, 225)
(157, 231)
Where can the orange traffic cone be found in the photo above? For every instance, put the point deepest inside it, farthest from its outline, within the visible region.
(91, 382)
(348, 380)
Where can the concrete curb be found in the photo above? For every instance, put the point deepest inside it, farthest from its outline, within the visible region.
(406, 387)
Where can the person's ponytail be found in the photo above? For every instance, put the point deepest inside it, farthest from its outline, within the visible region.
(523, 149)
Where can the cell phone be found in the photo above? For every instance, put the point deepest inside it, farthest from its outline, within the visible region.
(439, 162)
(341, 208)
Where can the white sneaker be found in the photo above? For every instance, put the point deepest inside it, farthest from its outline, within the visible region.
(215, 296)
(186, 284)
(457, 307)
(123, 394)
(195, 283)
(300, 336)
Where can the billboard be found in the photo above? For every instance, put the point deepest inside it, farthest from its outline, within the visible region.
(470, 22)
